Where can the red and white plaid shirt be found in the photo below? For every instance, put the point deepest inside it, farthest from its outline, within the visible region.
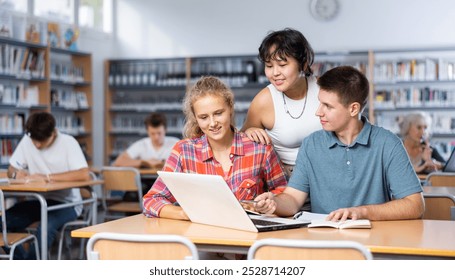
(255, 169)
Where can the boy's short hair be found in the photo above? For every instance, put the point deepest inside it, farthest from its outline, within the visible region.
(40, 126)
(155, 120)
(348, 83)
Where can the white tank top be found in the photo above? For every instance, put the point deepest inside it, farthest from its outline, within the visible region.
(287, 133)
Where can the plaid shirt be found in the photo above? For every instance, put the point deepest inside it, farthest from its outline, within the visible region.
(255, 169)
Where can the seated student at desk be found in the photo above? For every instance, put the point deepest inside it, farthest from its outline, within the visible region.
(214, 146)
(352, 168)
(151, 151)
(413, 130)
(48, 155)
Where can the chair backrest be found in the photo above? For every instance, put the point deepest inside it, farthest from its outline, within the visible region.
(292, 249)
(439, 206)
(441, 179)
(121, 179)
(118, 246)
(3, 217)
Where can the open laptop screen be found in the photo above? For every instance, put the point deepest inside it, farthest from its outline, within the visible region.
(450, 165)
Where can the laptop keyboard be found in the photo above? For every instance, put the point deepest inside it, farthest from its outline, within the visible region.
(264, 222)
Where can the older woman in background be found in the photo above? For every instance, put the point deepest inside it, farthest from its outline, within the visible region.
(414, 129)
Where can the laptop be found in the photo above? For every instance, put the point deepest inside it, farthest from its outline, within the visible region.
(207, 199)
(450, 164)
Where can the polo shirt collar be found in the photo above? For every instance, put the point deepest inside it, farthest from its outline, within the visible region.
(236, 148)
(362, 138)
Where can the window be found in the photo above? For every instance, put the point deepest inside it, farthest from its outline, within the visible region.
(96, 14)
(58, 10)
(15, 5)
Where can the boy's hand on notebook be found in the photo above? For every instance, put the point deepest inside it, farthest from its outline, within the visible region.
(343, 214)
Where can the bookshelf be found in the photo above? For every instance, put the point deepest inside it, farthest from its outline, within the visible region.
(135, 88)
(27, 85)
(71, 96)
(416, 80)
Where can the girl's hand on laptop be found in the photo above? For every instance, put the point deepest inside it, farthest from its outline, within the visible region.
(265, 203)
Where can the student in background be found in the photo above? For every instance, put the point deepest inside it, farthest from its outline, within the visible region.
(414, 133)
(291, 97)
(213, 146)
(151, 151)
(353, 169)
(48, 155)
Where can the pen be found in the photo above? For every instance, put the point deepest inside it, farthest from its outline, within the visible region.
(248, 201)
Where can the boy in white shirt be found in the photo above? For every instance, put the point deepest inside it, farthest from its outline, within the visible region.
(46, 154)
(151, 151)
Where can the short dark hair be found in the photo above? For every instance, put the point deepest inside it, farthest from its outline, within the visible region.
(155, 120)
(40, 126)
(348, 83)
(288, 42)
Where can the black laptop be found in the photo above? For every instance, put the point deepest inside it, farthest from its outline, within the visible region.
(450, 164)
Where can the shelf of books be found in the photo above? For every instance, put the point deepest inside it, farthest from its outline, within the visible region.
(28, 84)
(71, 95)
(417, 80)
(138, 87)
(23, 84)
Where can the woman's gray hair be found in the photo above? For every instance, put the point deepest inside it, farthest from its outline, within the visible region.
(405, 122)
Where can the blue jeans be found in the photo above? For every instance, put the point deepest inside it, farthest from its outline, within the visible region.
(22, 214)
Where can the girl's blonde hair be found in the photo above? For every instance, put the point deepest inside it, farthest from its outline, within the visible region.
(206, 85)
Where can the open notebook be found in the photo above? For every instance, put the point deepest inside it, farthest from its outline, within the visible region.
(207, 199)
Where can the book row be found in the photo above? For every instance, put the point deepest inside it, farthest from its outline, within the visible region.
(415, 70)
(7, 146)
(66, 72)
(69, 99)
(12, 123)
(20, 95)
(164, 106)
(414, 97)
(22, 61)
(69, 124)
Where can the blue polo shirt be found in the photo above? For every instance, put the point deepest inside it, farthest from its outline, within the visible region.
(372, 170)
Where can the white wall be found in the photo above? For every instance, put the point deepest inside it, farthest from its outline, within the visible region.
(101, 47)
(166, 28)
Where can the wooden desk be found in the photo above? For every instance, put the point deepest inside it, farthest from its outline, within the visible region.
(392, 239)
(439, 190)
(422, 177)
(35, 190)
(146, 173)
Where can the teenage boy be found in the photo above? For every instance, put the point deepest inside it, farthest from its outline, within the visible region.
(48, 155)
(353, 169)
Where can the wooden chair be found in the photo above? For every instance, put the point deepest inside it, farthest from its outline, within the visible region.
(439, 206)
(121, 179)
(441, 179)
(10, 241)
(118, 246)
(288, 249)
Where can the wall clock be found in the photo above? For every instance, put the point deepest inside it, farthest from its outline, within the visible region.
(324, 10)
